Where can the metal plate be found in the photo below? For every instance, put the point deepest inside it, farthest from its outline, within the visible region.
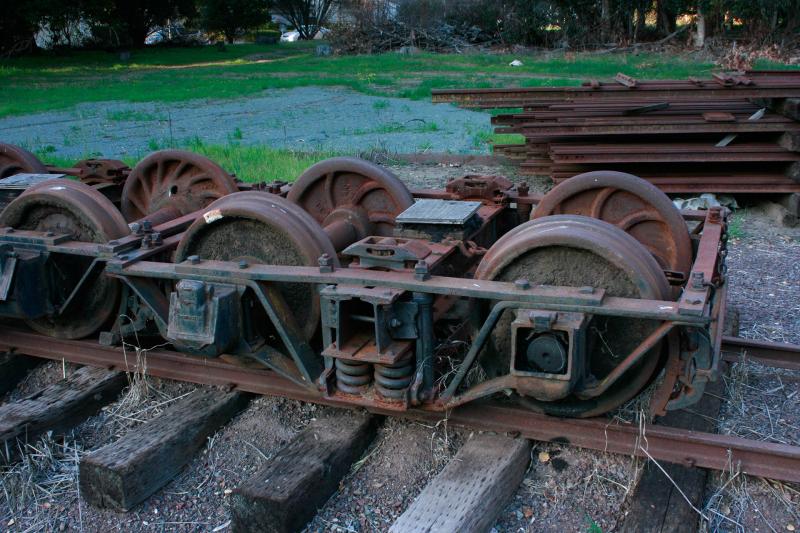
(438, 212)
(25, 180)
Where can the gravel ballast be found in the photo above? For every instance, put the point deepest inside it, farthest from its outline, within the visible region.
(305, 118)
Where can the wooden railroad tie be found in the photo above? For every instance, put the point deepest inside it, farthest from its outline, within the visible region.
(657, 506)
(286, 492)
(58, 407)
(472, 489)
(124, 473)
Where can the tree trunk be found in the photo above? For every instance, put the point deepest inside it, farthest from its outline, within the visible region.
(700, 26)
(665, 18)
(641, 13)
(605, 21)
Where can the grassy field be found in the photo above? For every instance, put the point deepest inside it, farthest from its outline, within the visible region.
(249, 163)
(59, 81)
(49, 82)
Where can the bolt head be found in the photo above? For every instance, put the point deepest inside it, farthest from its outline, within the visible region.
(243, 264)
(194, 259)
(523, 284)
(586, 290)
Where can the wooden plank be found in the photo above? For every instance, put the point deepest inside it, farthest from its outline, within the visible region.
(657, 505)
(473, 488)
(124, 473)
(57, 407)
(286, 493)
(13, 368)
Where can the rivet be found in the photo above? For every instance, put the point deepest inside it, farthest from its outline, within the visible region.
(523, 284)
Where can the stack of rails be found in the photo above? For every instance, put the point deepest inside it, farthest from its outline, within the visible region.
(731, 133)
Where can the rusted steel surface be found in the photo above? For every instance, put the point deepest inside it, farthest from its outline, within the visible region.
(630, 204)
(632, 125)
(775, 461)
(351, 198)
(14, 160)
(259, 278)
(171, 183)
(777, 354)
(753, 84)
(596, 153)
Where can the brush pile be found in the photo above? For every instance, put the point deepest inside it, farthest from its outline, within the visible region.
(392, 35)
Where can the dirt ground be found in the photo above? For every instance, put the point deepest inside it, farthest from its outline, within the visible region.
(565, 489)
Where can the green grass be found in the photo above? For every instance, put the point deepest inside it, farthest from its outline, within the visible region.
(412, 126)
(49, 82)
(489, 137)
(248, 163)
(128, 115)
(736, 225)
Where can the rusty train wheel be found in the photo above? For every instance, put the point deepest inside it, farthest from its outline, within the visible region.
(173, 181)
(66, 206)
(576, 251)
(259, 227)
(632, 204)
(349, 190)
(15, 160)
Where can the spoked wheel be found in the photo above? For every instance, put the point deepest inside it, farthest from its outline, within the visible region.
(66, 206)
(15, 160)
(575, 251)
(632, 204)
(173, 183)
(351, 198)
(259, 227)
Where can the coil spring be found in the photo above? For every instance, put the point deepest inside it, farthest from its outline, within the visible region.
(391, 381)
(352, 377)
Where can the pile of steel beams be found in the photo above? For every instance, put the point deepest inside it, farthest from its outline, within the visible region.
(733, 132)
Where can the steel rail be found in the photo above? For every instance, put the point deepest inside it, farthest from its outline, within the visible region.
(777, 354)
(705, 450)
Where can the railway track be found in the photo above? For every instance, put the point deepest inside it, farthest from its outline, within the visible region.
(704, 450)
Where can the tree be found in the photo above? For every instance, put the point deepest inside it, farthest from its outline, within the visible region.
(307, 16)
(18, 27)
(135, 19)
(233, 17)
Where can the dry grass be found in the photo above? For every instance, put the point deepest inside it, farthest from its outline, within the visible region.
(759, 403)
(46, 473)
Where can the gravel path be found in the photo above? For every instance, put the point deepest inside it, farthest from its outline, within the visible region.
(307, 118)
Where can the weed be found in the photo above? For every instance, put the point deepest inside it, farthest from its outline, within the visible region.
(593, 526)
(735, 226)
(153, 145)
(130, 115)
(427, 127)
(489, 137)
(377, 105)
(427, 146)
(237, 134)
